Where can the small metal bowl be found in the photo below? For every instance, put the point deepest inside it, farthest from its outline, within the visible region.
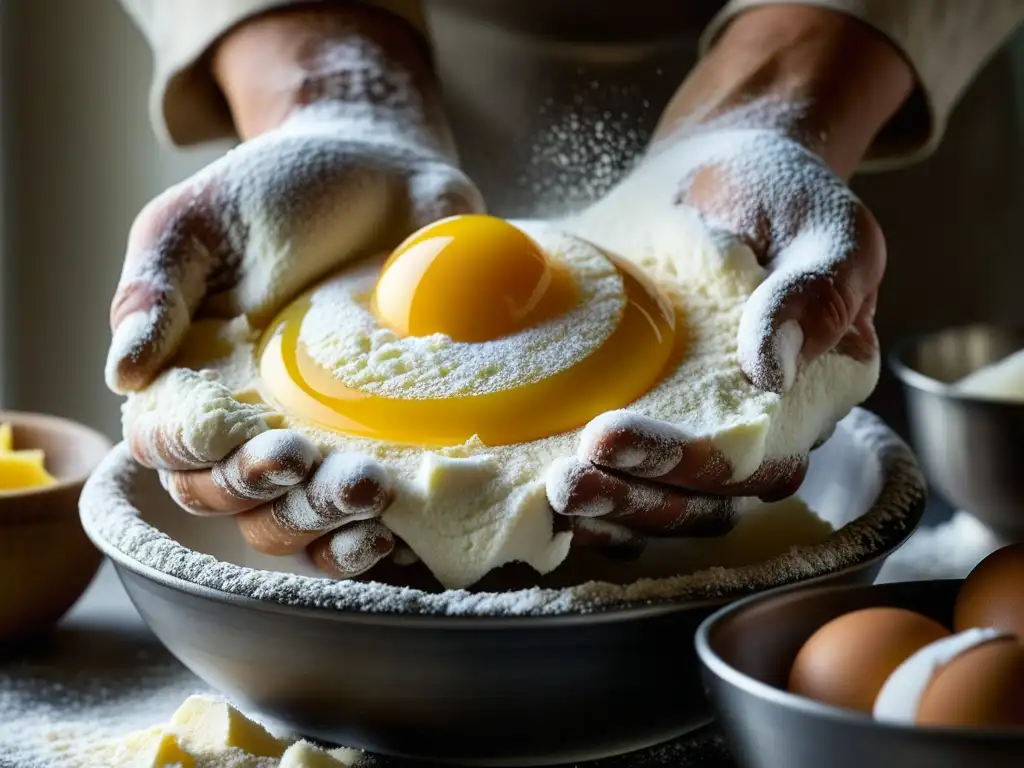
(971, 449)
(46, 561)
(472, 678)
(747, 649)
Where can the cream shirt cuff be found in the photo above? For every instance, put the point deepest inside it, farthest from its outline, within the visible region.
(186, 105)
(947, 42)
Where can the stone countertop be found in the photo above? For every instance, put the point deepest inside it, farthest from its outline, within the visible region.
(103, 669)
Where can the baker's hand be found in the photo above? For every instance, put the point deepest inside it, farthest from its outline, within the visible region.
(344, 151)
(824, 255)
(760, 139)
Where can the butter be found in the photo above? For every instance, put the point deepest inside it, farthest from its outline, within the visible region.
(208, 726)
(21, 469)
(152, 748)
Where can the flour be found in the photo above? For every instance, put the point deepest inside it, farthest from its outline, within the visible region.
(949, 550)
(343, 336)
(112, 498)
(1002, 380)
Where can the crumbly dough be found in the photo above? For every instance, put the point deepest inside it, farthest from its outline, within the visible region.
(469, 509)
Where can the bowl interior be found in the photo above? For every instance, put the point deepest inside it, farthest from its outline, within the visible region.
(948, 355)
(842, 484)
(72, 450)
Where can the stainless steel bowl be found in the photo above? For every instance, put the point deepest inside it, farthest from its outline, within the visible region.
(400, 675)
(747, 649)
(972, 450)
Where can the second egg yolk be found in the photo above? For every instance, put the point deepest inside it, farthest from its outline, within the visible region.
(475, 279)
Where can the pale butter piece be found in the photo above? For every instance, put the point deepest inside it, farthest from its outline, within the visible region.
(152, 748)
(743, 445)
(6, 438)
(205, 726)
(302, 754)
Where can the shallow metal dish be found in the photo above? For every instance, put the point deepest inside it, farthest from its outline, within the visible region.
(396, 673)
(970, 448)
(748, 648)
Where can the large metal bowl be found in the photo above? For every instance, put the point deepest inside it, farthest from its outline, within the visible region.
(534, 677)
(748, 648)
(971, 449)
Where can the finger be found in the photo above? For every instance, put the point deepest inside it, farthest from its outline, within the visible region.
(815, 291)
(581, 489)
(344, 489)
(861, 341)
(618, 542)
(442, 191)
(353, 549)
(653, 450)
(173, 249)
(260, 470)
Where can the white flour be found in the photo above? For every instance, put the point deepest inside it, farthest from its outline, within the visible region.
(342, 334)
(110, 513)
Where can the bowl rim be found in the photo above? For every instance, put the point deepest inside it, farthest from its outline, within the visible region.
(715, 665)
(884, 528)
(896, 359)
(62, 425)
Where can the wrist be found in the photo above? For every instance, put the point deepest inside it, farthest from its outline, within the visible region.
(354, 63)
(821, 77)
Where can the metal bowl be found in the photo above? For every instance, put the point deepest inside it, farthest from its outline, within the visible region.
(970, 448)
(529, 677)
(747, 649)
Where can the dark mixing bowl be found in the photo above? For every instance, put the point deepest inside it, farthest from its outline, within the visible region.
(747, 650)
(533, 677)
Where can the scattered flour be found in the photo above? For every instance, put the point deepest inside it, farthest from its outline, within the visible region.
(949, 550)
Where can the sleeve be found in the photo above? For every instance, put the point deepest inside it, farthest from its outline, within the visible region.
(186, 106)
(947, 42)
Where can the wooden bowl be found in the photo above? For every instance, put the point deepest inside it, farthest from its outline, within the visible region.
(46, 560)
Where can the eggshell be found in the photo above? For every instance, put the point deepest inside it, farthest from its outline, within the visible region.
(971, 679)
(900, 698)
(993, 593)
(846, 662)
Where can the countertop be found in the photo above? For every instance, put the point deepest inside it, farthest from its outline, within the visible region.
(103, 669)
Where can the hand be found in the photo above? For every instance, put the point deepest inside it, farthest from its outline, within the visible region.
(351, 157)
(761, 136)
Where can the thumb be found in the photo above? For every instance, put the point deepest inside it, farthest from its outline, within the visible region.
(440, 191)
(170, 255)
(817, 289)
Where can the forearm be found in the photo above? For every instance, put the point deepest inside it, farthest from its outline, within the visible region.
(820, 76)
(363, 63)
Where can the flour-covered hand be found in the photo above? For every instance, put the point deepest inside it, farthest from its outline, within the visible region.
(344, 151)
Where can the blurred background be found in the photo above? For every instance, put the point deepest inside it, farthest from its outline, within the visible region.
(78, 158)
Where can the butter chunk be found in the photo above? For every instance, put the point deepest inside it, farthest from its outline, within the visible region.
(23, 469)
(152, 748)
(6, 438)
(207, 726)
(302, 754)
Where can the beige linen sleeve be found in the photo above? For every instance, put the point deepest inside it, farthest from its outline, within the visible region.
(946, 41)
(186, 106)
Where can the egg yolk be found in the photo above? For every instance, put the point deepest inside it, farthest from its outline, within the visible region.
(472, 278)
(476, 278)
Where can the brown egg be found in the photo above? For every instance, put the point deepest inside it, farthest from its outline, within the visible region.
(846, 662)
(993, 593)
(971, 679)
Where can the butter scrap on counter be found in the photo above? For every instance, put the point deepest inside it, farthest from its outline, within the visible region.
(21, 469)
(206, 732)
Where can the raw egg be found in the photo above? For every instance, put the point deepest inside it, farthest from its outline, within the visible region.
(472, 278)
(971, 679)
(475, 279)
(846, 662)
(993, 593)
